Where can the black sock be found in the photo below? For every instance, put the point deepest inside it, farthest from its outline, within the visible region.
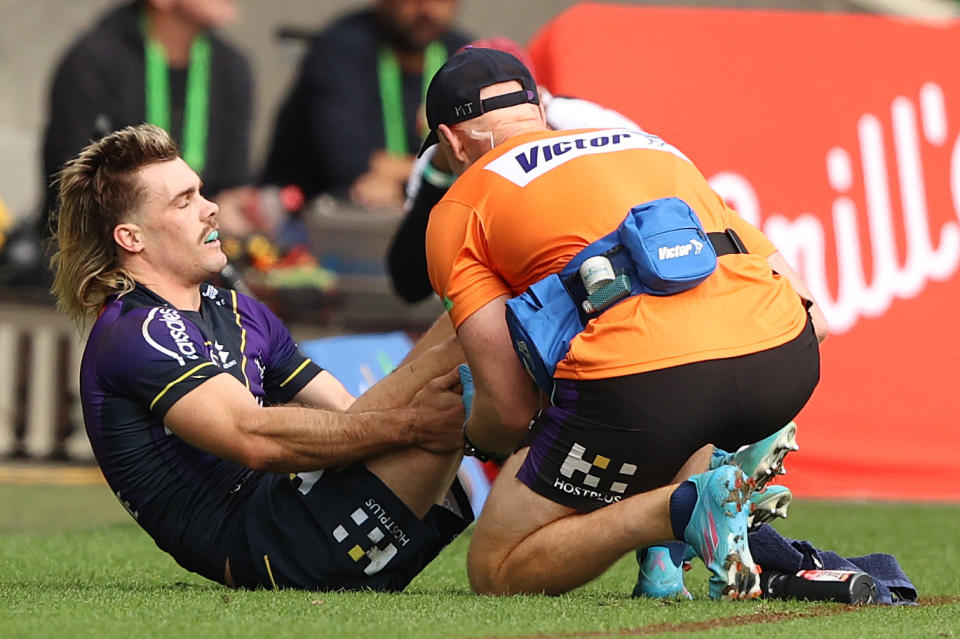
(677, 551)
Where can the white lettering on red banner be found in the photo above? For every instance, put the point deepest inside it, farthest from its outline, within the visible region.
(931, 254)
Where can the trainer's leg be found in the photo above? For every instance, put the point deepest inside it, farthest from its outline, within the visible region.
(419, 478)
(698, 462)
(662, 575)
(524, 542)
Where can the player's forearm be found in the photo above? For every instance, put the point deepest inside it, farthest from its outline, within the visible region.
(293, 439)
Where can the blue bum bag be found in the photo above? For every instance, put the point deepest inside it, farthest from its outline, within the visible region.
(659, 249)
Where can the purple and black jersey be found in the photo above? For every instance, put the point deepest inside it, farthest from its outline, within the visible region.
(143, 355)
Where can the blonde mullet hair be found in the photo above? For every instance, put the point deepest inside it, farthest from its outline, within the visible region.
(99, 189)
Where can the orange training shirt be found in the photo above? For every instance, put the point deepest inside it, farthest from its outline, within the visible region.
(531, 204)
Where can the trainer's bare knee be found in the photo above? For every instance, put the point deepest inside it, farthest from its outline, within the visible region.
(483, 573)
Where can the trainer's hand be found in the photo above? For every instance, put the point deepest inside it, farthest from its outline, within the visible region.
(439, 415)
(820, 327)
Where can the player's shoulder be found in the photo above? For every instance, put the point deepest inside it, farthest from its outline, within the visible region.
(217, 299)
(139, 325)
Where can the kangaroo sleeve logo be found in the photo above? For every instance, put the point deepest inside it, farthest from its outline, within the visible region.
(176, 329)
(221, 356)
(371, 536)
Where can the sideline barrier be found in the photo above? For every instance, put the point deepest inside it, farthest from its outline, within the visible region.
(359, 361)
(839, 136)
(39, 386)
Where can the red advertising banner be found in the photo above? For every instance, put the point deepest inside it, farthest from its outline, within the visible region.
(839, 136)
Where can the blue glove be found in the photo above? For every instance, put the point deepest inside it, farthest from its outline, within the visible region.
(466, 379)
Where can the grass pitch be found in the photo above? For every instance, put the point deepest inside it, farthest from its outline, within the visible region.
(72, 564)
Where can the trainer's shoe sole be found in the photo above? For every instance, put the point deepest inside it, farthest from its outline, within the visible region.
(718, 533)
(763, 460)
(767, 504)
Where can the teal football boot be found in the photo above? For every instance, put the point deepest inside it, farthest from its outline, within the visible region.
(717, 531)
(763, 460)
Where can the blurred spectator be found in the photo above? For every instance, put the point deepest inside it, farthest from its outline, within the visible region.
(158, 61)
(353, 120)
(430, 179)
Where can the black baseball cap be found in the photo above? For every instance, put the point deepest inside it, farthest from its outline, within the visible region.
(454, 92)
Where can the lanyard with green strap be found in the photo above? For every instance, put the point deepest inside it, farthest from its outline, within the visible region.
(391, 91)
(197, 102)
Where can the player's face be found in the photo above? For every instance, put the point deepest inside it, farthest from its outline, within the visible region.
(180, 235)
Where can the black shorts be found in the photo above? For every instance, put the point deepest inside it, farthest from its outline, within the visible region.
(332, 530)
(605, 439)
